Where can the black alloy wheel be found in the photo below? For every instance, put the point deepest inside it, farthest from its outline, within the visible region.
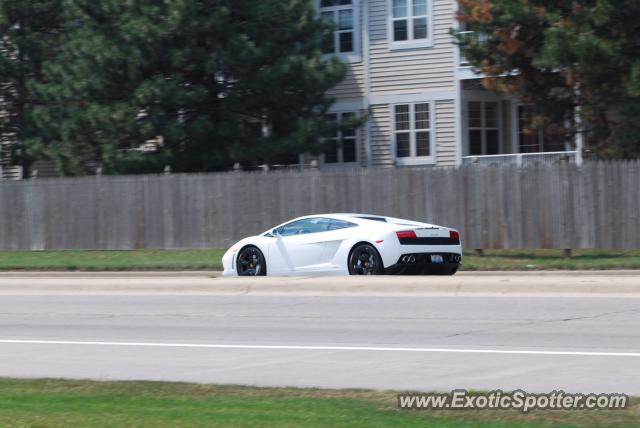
(365, 260)
(251, 262)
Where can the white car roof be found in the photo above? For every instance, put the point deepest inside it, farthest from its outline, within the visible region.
(342, 216)
(362, 219)
(359, 217)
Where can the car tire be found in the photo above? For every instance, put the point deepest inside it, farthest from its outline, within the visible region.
(364, 260)
(251, 262)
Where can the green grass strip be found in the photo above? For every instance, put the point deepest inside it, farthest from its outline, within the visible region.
(212, 260)
(70, 403)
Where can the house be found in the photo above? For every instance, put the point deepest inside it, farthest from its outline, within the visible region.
(426, 104)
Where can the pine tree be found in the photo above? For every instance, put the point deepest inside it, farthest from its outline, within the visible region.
(212, 82)
(28, 37)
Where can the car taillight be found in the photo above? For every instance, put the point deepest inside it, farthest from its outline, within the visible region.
(406, 234)
(454, 234)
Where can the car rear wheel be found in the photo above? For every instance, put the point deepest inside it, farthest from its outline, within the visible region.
(365, 260)
(251, 262)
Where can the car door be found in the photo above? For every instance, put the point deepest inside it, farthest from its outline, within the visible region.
(298, 246)
(338, 232)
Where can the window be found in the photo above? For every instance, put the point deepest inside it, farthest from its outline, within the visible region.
(533, 139)
(312, 225)
(468, 37)
(483, 127)
(410, 23)
(340, 13)
(343, 147)
(412, 131)
(340, 224)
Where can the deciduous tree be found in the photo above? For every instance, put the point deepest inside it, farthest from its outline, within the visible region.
(564, 57)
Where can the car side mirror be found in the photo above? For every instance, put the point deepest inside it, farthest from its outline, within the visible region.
(276, 233)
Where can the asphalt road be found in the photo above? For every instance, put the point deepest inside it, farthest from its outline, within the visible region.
(419, 342)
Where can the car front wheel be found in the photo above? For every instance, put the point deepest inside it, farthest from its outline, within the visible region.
(365, 260)
(251, 262)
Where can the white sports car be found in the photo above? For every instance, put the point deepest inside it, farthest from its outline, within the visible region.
(347, 244)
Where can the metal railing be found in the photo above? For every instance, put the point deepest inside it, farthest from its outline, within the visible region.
(522, 159)
(278, 167)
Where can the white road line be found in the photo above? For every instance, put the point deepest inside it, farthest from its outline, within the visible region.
(320, 348)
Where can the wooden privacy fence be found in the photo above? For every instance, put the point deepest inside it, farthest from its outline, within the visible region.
(596, 205)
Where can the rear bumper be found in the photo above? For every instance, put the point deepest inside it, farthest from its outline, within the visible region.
(420, 264)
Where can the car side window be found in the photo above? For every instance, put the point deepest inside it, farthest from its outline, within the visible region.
(340, 224)
(306, 225)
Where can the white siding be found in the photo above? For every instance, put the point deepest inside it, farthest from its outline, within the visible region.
(381, 136)
(415, 70)
(362, 144)
(352, 86)
(45, 168)
(425, 72)
(445, 133)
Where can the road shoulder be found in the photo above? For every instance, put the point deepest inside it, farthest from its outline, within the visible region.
(540, 283)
